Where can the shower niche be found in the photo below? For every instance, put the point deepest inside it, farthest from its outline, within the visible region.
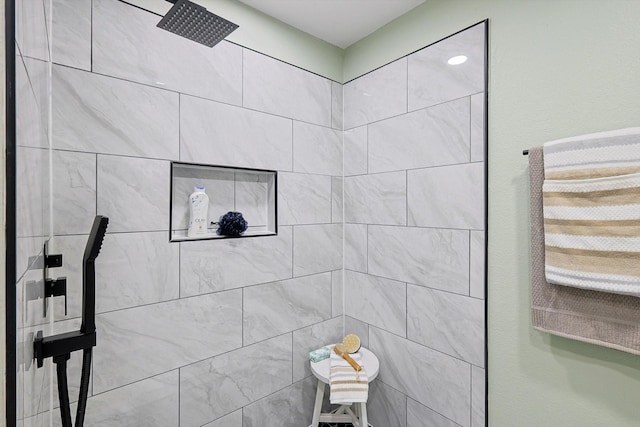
(251, 192)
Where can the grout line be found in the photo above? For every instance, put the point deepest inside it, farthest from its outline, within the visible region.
(414, 169)
(427, 347)
(406, 309)
(407, 75)
(412, 111)
(180, 270)
(367, 250)
(406, 197)
(413, 284)
(242, 77)
(96, 205)
(470, 128)
(469, 266)
(366, 129)
(422, 227)
(242, 314)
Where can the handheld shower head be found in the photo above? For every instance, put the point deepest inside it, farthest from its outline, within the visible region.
(194, 22)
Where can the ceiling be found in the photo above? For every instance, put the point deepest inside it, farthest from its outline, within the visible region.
(339, 22)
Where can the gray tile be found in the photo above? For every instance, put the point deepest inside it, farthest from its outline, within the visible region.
(376, 199)
(151, 402)
(477, 397)
(447, 197)
(304, 198)
(40, 420)
(434, 379)
(386, 406)
(431, 137)
(358, 327)
(355, 247)
(317, 149)
(127, 44)
(234, 419)
(215, 387)
(317, 248)
(375, 96)
(355, 151)
(420, 416)
(336, 293)
(208, 129)
(275, 87)
(452, 324)
(336, 106)
(27, 251)
(428, 257)
(432, 80)
(133, 193)
(72, 33)
(164, 336)
(476, 270)
(29, 294)
(377, 301)
(216, 265)
(311, 338)
(477, 127)
(101, 114)
(275, 308)
(32, 106)
(337, 199)
(295, 401)
(74, 192)
(136, 269)
(31, 29)
(32, 204)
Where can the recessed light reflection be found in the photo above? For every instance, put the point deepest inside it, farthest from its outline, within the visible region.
(457, 60)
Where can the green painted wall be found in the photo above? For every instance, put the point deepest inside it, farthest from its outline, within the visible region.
(557, 68)
(267, 35)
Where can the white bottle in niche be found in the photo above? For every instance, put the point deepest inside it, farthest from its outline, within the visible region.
(198, 212)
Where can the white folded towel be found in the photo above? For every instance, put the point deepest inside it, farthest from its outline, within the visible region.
(591, 205)
(347, 385)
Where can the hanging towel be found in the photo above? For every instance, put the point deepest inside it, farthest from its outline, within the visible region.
(607, 319)
(592, 212)
(347, 385)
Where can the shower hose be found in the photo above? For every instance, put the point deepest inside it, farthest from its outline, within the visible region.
(63, 391)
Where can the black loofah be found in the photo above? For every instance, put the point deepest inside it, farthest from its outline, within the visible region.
(231, 224)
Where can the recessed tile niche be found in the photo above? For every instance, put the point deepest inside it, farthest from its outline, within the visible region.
(249, 191)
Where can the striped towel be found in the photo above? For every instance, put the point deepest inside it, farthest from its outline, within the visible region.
(591, 204)
(347, 385)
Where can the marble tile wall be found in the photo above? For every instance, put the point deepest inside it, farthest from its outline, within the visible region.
(33, 213)
(414, 244)
(193, 333)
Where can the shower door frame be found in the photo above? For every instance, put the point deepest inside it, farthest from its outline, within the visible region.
(10, 214)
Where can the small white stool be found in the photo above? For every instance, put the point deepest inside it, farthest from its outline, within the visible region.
(344, 414)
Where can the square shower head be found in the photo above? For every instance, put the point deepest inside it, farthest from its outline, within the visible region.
(194, 22)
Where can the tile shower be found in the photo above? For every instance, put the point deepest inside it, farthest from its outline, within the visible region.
(216, 333)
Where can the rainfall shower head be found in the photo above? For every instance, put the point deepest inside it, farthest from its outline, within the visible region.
(194, 22)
